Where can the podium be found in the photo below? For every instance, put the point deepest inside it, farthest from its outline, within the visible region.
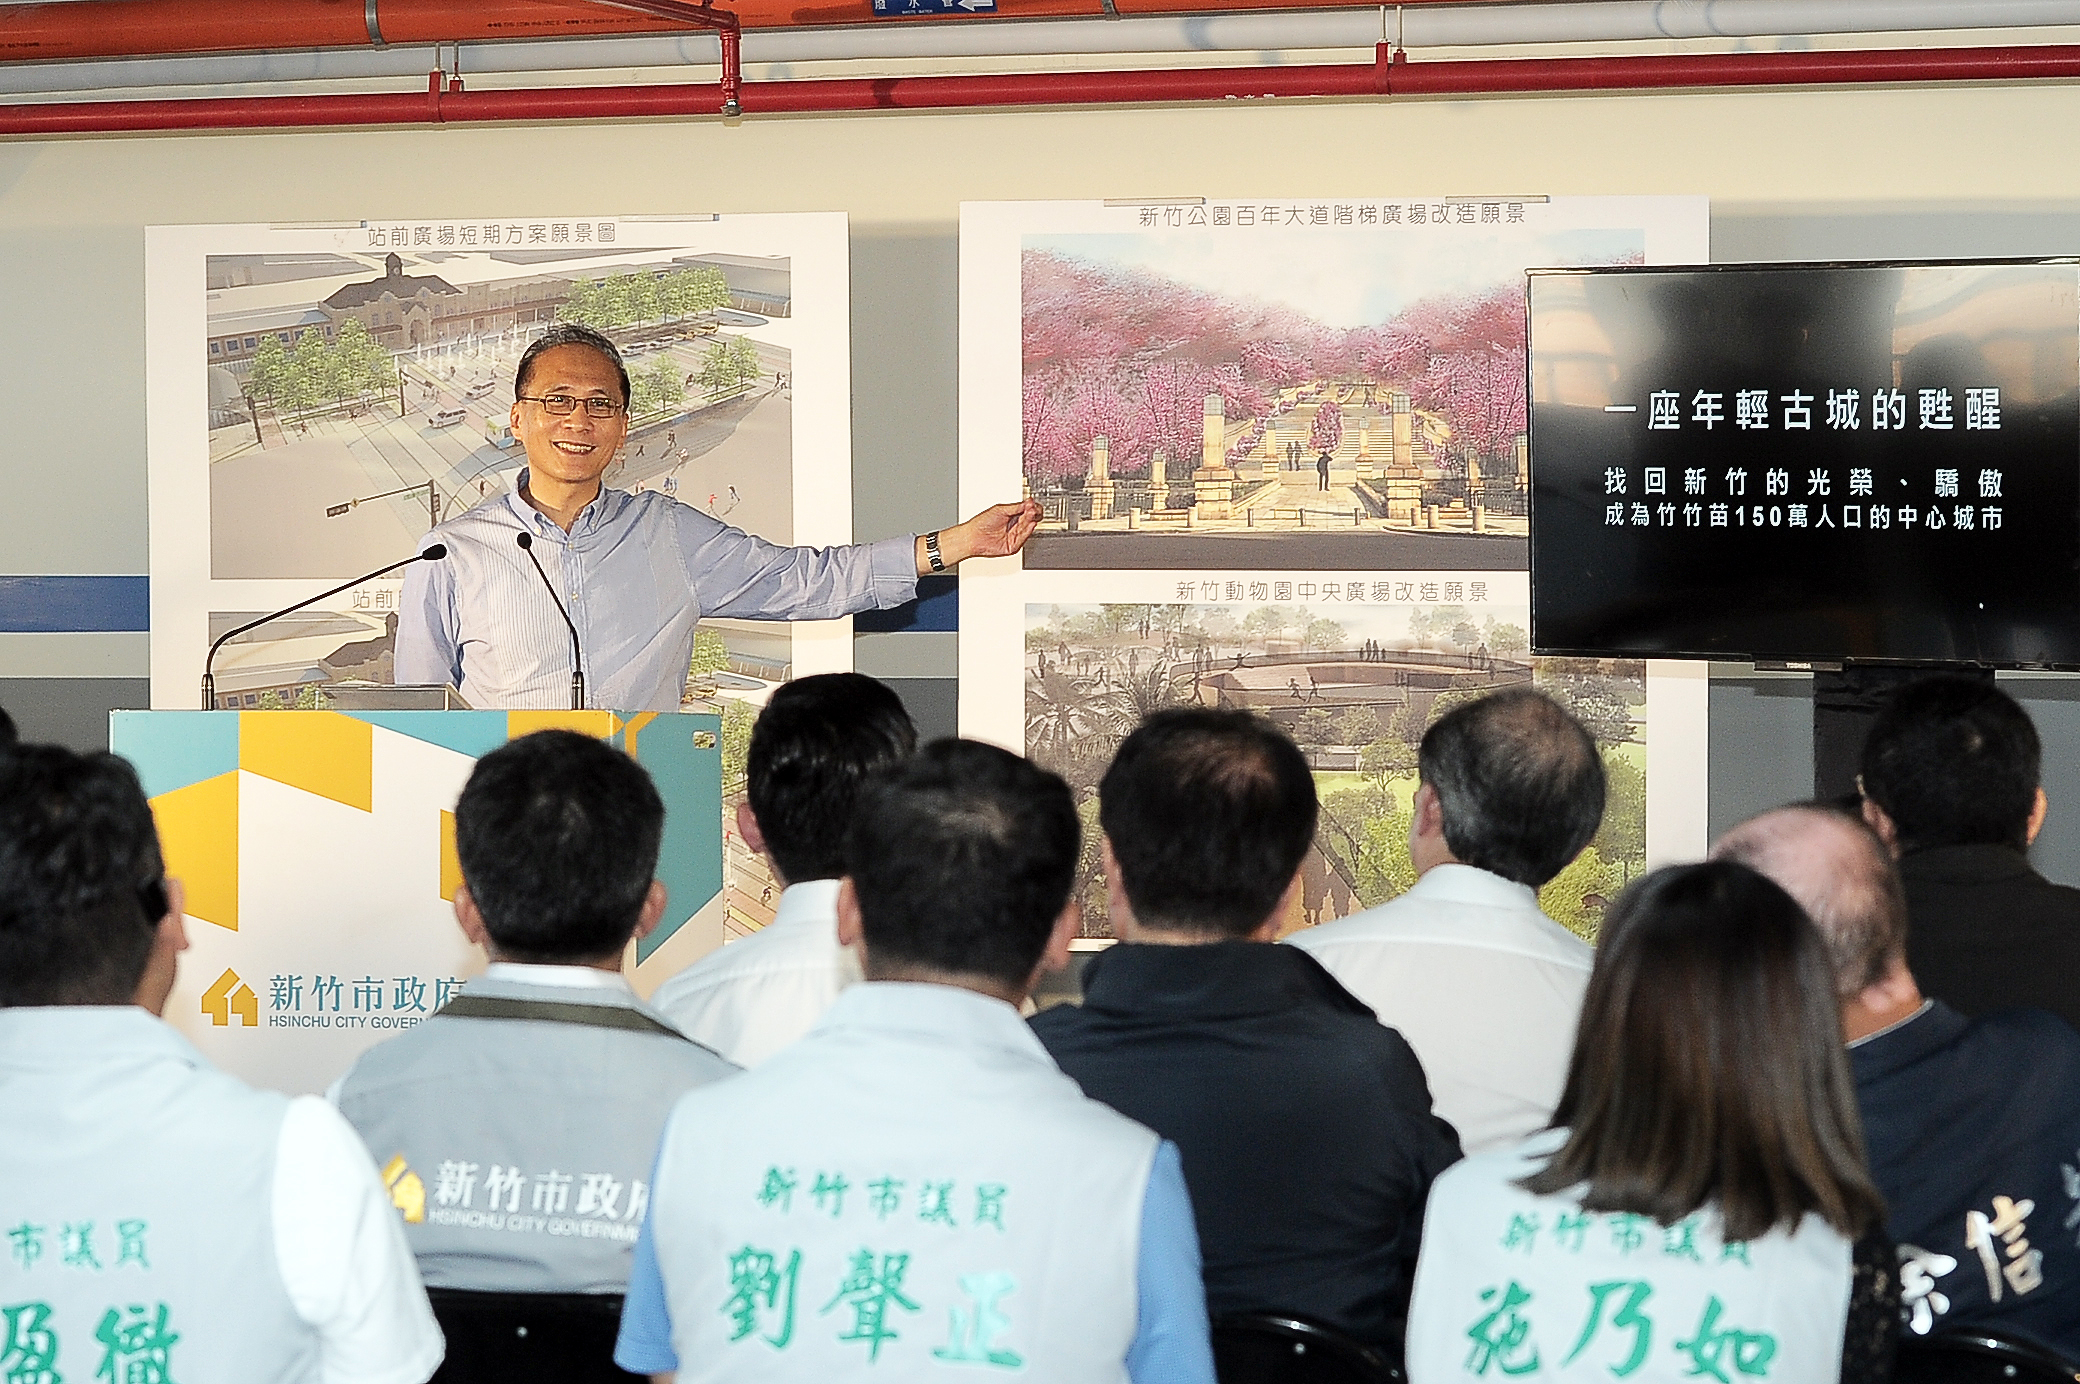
(318, 853)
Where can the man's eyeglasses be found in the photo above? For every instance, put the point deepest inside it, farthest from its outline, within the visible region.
(562, 404)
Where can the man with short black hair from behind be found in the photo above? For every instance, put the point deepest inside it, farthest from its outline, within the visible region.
(532, 1101)
(813, 748)
(1970, 1124)
(165, 1220)
(1950, 781)
(1192, 1025)
(1485, 987)
(914, 1184)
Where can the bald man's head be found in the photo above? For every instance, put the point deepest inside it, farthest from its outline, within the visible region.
(1841, 874)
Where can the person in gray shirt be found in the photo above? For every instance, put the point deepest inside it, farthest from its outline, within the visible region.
(516, 1126)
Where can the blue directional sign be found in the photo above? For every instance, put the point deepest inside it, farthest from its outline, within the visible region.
(927, 9)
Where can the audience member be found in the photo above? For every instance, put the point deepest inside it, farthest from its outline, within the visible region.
(915, 1179)
(1700, 1207)
(1483, 985)
(1950, 782)
(814, 745)
(1232, 1048)
(164, 1221)
(1973, 1125)
(535, 1097)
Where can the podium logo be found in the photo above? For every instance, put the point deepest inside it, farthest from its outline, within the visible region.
(229, 996)
(407, 1192)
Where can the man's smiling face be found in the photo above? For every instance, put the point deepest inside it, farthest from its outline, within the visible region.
(575, 448)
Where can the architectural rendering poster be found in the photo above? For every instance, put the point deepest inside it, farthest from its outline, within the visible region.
(1281, 450)
(320, 397)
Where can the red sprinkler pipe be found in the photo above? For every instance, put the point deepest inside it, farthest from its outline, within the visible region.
(1378, 78)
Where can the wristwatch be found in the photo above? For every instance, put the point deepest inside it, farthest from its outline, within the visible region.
(931, 552)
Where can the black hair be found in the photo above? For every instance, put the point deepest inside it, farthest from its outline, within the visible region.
(82, 884)
(1209, 814)
(558, 834)
(570, 334)
(962, 858)
(1708, 1065)
(813, 747)
(1954, 761)
(1519, 782)
(8, 735)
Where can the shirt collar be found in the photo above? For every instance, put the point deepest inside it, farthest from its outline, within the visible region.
(943, 1015)
(1209, 980)
(1895, 1026)
(812, 901)
(1974, 864)
(1935, 1025)
(56, 1037)
(559, 977)
(1471, 884)
(604, 506)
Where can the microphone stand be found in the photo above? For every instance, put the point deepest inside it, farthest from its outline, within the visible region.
(526, 542)
(209, 679)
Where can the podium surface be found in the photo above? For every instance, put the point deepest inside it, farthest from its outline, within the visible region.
(318, 853)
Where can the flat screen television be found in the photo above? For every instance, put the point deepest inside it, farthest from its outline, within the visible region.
(1807, 462)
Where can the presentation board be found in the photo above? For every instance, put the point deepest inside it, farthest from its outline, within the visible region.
(318, 397)
(1280, 446)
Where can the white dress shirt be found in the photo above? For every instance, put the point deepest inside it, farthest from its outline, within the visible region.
(1485, 987)
(756, 995)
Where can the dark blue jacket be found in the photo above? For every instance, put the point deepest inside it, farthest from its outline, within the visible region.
(1967, 1121)
(1305, 1124)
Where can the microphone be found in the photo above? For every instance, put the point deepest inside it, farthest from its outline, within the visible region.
(433, 553)
(526, 542)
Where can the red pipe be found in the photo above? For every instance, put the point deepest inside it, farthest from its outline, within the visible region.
(1379, 78)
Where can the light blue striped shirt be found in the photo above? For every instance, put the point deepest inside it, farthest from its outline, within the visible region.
(636, 572)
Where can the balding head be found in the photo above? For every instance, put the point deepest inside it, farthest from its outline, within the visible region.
(1841, 874)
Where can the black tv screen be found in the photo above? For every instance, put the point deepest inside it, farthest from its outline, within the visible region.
(1807, 463)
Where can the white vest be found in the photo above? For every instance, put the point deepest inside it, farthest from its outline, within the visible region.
(136, 1209)
(1516, 1286)
(913, 1187)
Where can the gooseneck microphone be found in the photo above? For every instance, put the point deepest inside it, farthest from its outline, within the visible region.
(433, 553)
(526, 542)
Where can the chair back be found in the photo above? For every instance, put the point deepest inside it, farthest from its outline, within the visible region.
(522, 1338)
(1270, 1348)
(1975, 1355)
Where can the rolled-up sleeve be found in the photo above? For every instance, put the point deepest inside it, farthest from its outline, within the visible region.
(733, 573)
(429, 643)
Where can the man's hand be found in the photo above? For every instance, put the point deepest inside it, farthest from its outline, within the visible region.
(998, 531)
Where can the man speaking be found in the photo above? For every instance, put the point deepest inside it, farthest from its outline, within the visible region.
(636, 572)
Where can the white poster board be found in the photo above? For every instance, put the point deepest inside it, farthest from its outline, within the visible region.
(1280, 448)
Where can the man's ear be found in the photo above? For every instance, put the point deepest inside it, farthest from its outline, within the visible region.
(469, 919)
(1876, 818)
(653, 909)
(1426, 813)
(2036, 816)
(850, 931)
(747, 827)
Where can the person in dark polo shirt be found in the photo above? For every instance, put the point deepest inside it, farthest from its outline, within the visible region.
(1972, 1126)
(1308, 1140)
(1950, 782)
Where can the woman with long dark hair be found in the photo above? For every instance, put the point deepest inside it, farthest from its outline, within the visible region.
(1700, 1207)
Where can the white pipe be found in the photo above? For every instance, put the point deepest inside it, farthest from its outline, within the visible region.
(1417, 27)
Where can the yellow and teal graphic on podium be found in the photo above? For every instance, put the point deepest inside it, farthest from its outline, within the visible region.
(207, 772)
